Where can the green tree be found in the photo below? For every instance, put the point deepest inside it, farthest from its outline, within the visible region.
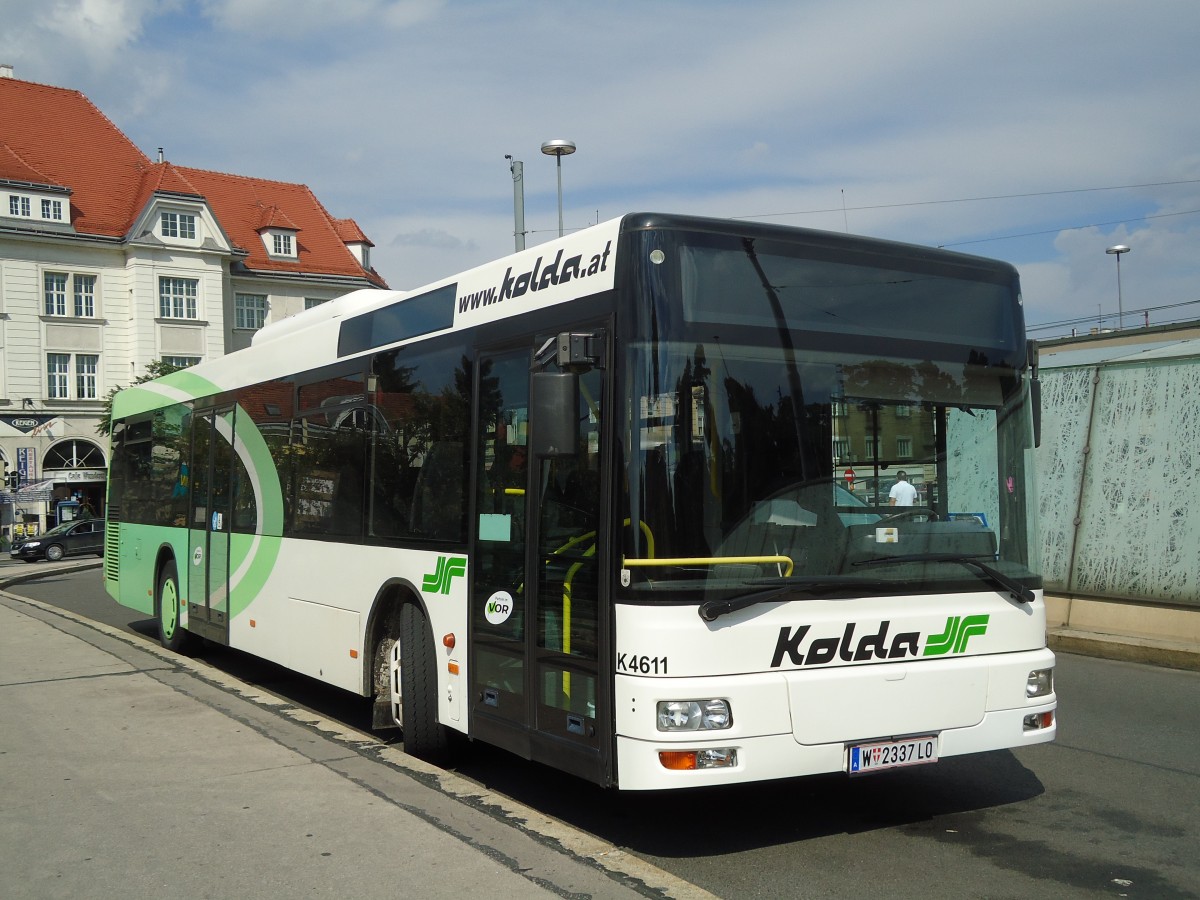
(154, 369)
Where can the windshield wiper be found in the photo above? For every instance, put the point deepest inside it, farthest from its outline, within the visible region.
(711, 610)
(1014, 588)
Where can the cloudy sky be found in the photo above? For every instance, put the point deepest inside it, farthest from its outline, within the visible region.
(1036, 132)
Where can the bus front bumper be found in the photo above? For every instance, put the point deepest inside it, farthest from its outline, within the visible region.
(645, 765)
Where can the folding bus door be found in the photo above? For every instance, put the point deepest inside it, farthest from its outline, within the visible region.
(209, 523)
(535, 618)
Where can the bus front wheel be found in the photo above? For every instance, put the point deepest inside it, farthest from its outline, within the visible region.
(424, 737)
(171, 634)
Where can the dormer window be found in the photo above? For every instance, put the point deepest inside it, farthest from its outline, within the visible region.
(278, 233)
(179, 225)
(36, 207)
(280, 243)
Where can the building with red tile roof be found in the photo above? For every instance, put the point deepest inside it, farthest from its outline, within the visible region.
(111, 260)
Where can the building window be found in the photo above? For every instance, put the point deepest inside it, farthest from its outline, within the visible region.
(58, 370)
(75, 454)
(903, 448)
(177, 298)
(57, 286)
(52, 209)
(179, 225)
(58, 376)
(18, 206)
(85, 296)
(86, 365)
(904, 412)
(841, 449)
(181, 362)
(311, 302)
(281, 245)
(56, 293)
(249, 311)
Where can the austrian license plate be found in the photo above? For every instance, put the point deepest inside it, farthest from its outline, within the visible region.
(880, 755)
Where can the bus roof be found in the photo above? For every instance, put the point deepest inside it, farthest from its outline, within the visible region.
(559, 270)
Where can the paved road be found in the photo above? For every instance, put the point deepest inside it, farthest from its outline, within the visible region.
(1109, 810)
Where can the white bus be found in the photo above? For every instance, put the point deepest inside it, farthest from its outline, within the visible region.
(595, 504)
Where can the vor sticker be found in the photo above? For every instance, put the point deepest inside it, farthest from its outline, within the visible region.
(499, 607)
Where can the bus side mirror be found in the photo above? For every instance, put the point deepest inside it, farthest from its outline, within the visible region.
(1035, 390)
(554, 413)
(1035, 397)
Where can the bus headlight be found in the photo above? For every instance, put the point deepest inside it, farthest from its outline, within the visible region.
(1040, 683)
(694, 715)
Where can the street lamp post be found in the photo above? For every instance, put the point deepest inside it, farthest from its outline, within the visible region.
(559, 149)
(1117, 251)
(518, 176)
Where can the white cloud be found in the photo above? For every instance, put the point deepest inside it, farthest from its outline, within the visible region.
(53, 31)
(399, 115)
(313, 18)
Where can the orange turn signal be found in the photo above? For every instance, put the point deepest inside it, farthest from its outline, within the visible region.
(448, 641)
(677, 759)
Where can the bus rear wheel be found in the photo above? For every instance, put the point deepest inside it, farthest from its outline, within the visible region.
(424, 737)
(171, 634)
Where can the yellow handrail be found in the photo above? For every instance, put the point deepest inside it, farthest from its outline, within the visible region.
(712, 561)
(569, 580)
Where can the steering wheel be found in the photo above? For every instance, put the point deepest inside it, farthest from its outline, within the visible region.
(909, 512)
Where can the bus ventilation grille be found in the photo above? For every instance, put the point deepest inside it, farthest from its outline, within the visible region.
(112, 547)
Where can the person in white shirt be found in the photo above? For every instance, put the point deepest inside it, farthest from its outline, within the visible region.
(902, 493)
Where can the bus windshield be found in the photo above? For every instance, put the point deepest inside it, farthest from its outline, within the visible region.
(825, 418)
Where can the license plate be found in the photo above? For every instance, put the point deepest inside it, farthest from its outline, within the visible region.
(880, 755)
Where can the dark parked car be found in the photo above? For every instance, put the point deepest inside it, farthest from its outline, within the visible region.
(67, 539)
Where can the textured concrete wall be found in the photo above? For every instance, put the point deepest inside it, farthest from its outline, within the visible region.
(1119, 481)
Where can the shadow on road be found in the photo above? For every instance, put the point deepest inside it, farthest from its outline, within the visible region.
(717, 821)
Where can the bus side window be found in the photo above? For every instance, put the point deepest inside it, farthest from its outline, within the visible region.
(271, 408)
(329, 477)
(421, 402)
(329, 454)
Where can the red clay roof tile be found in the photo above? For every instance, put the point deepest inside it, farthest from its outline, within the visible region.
(60, 133)
(57, 136)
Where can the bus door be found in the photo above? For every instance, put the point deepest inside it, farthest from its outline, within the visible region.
(536, 617)
(209, 524)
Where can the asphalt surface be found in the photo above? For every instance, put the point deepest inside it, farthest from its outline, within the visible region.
(1101, 812)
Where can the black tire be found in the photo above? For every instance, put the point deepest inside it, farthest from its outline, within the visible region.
(171, 634)
(54, 552)
(424, 737)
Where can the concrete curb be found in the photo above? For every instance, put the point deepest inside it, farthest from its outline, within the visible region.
(10, 573)
(1126, 648)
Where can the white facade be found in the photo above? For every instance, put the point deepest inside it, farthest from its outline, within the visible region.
(83, 314)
